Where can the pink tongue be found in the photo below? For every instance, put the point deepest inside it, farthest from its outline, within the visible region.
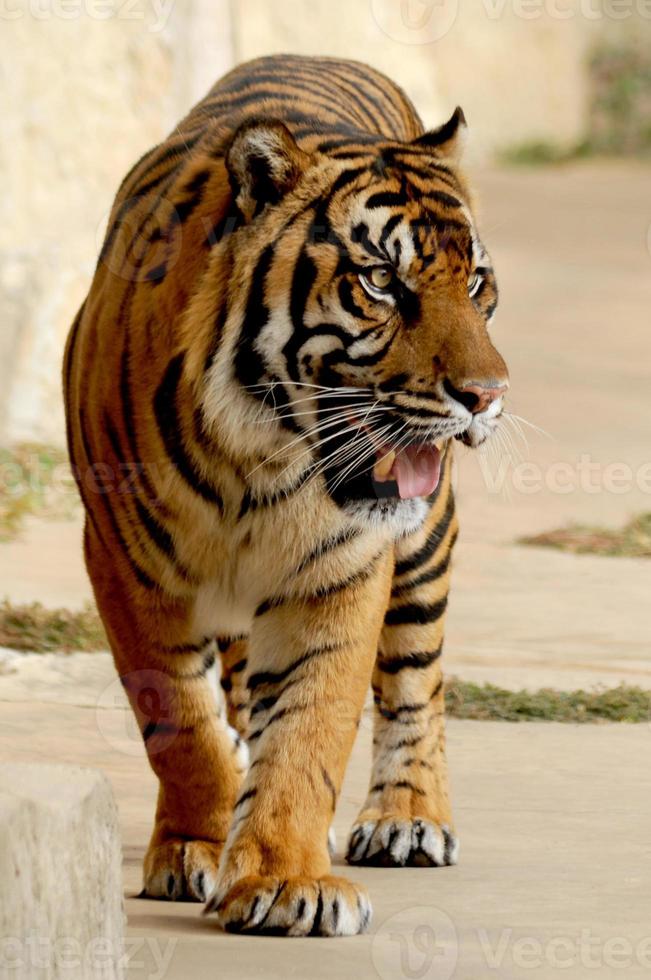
(417, 471)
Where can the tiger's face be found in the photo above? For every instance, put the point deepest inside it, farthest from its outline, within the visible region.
(379, 295)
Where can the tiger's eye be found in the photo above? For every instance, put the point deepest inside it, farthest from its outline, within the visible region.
(380, 277)
(474, 283)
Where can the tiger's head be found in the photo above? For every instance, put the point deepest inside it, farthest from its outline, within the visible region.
(369, 295)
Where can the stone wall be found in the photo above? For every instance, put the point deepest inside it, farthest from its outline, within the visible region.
(88, 85)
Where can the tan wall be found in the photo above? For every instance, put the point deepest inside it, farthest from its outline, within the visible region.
(83, 96)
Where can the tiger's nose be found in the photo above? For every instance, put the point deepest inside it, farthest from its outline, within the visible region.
(475, 397)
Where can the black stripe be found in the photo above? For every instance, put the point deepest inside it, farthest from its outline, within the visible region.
(131, 173)
(69, 356)
(406, 743)
(431, 575)
(264, 704)
(195, 187)
(383, 102)
(434, 538)
(303, 279)
(166, 411)
(442, 198)
(251, 503)
(362, 101)
(318, 915)
(190, 647)
(224, 642)
(393, 382)
(386, 199)
(348, 302)
(249, 366)
(275, 96)
(273, 602)
(275, 677)
(157, 274)
(361, 235)
(278, 716)
(345, 178)
(389, 228)
(416, 613)
(67, 371)
(400, 784)
(355, 578)
(248, 795)
(167, 152)
(161, 537)
(418, 661)
(307, 80)
(325, 547)
(330, 786)
(164, 728)
(368, 359)
(140, 192)
(437, 689)
(392, 714)
(138, 572)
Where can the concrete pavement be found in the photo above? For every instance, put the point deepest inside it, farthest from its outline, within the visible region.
(552, 881)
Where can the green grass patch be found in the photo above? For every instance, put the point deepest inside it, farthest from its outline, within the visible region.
(486, 702)
(633, 540)
(34, 480)
(35, 629)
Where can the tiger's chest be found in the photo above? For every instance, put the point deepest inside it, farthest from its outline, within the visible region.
(296, 548)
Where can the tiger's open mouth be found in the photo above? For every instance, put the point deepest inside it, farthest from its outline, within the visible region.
(388, 468)
(415, 469)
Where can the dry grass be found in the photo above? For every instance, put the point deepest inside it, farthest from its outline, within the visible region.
(35, 629)
(631, 541)
(34, 480)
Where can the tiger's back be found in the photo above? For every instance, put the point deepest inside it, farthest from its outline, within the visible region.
(261, 389)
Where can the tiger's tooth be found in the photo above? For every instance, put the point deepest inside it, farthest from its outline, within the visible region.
(383, 466)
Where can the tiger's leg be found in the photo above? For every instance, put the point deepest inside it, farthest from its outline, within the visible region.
(164, 670)
(310, 663)
(234, 652)
(406, 818)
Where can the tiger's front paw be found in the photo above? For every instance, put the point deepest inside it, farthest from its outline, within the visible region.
(181, 870)
(299, 906)
(396, 842)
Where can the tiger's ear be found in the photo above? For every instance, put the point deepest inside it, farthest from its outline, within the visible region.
(448, 140)
(264, 162)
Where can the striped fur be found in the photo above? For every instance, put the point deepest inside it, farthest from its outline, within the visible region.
(227, 381)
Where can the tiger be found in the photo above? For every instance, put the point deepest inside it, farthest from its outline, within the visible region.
(286, 332)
